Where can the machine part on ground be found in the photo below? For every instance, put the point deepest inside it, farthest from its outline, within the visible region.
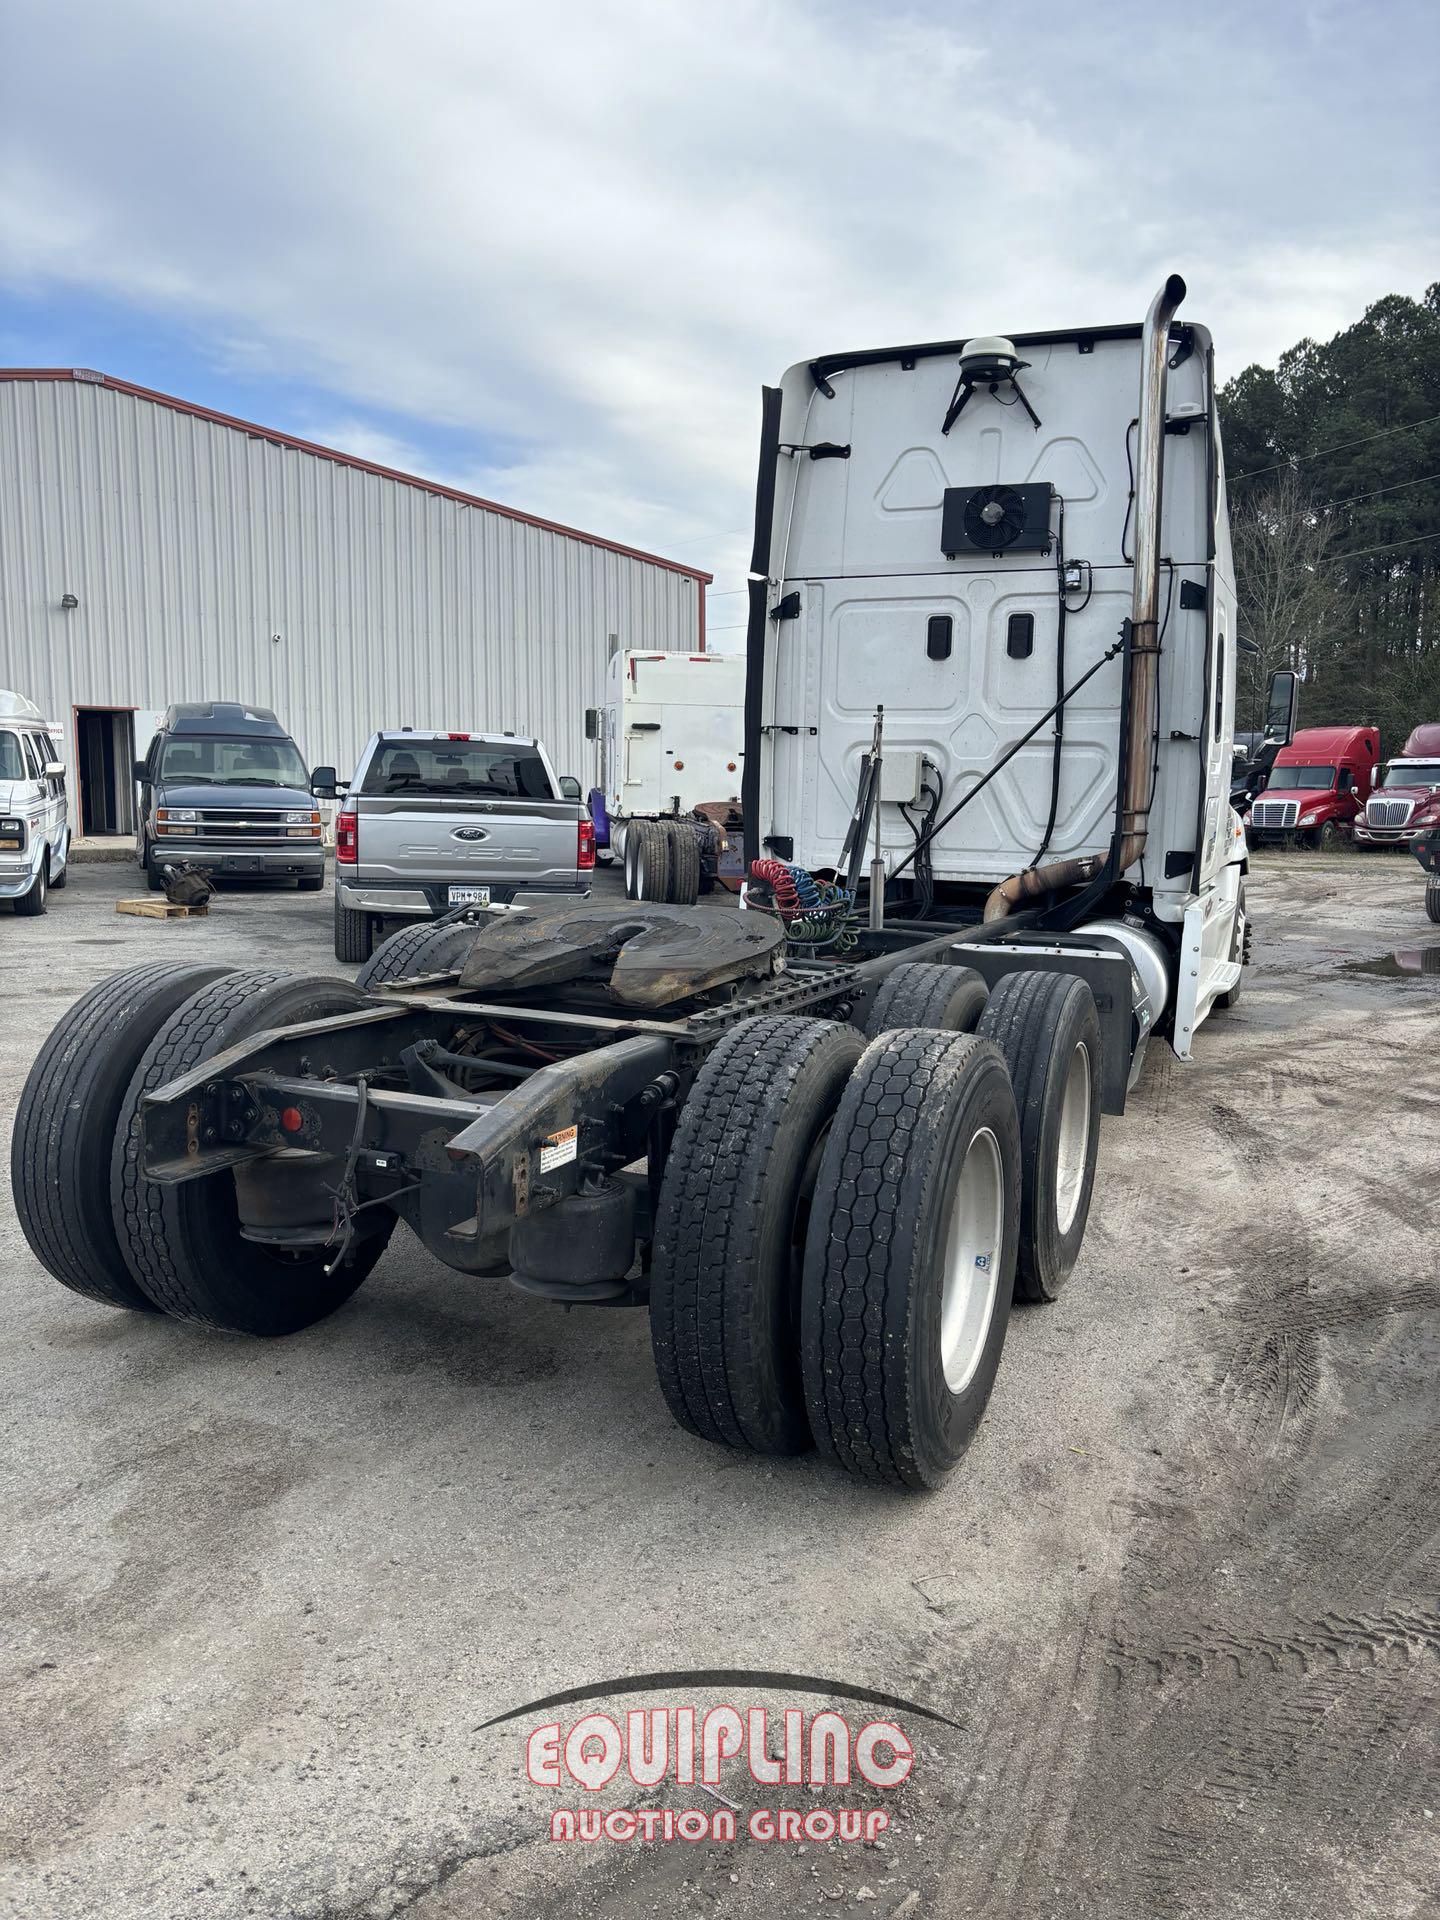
(66, 1120)
(921, 993)
(189, 1247)
(185, 886)
(730, 1231)
(430, 947)
(910, 1256)
(1046, 1026)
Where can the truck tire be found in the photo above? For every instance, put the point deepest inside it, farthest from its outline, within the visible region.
(1046, 1026)
(1432, 897)
(311, 883)
(354, 933)
(910, 1256)
(647, 854)
(33, 900)
(730, 1231)
(683, 846)
(1327, 837)
(923, 994)
(183, 1243)
(65, 1126)
(423, 949)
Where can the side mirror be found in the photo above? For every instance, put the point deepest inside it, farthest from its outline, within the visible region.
(1281, 705)
(570, 786)
(323, 784)
(54, 769)
(592, 723)
(139, 772)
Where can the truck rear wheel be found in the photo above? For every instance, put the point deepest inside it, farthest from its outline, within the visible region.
(65, 1127)
(183, 1244)
(423, 949)
(684, 850)
(1432, 897)
(647, 861)
(923, 994)
(910, 1256)
(730, 1231)
(1046, 1026)
(354, 932)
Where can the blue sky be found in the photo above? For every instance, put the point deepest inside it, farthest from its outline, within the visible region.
(551, 253)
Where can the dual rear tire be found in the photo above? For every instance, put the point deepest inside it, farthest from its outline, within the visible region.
(841, 1231)
(105, 1231)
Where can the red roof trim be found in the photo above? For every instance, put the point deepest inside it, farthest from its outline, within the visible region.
(84, 377)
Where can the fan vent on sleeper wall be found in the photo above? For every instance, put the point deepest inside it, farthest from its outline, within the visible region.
(996, 519)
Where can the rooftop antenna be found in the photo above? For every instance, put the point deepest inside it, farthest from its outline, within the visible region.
(988, 361)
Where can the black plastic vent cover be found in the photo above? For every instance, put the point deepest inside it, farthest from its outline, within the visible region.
(996, 519)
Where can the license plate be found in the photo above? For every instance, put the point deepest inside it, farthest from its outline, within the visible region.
(469, 896)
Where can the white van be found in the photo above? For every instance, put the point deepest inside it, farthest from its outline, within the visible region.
(34, 804)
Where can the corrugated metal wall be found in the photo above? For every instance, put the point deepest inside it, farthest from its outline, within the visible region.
(212, 563)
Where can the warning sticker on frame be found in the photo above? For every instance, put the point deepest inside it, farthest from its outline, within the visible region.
(558, 1149)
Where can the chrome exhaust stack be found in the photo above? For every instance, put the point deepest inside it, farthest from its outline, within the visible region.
(1144, 639)
(1142, 648)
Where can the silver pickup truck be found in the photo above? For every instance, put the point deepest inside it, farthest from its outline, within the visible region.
(433, 821)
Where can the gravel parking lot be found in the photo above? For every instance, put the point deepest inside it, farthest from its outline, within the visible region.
(1179, 1600)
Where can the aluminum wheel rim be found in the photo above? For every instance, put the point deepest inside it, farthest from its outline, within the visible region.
(973, 1246)
(1074, 1139)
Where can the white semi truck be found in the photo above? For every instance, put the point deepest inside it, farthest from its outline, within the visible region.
(670, 741)
(826, 1143)
(1019, 549)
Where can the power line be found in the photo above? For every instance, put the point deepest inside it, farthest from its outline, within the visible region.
(1375, 492)
(1298, 459)
(739, 627)
(1364, 552)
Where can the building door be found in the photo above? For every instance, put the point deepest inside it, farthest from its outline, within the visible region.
(105, 743)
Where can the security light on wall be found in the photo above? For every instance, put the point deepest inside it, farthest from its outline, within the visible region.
(68, 601)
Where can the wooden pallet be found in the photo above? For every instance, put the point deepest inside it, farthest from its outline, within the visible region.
(160, 910)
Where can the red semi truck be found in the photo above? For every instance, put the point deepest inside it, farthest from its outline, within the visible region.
(1317, 788)
(1406, 803)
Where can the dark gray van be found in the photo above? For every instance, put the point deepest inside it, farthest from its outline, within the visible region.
(223, 787)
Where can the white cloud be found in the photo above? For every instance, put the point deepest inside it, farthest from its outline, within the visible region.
(584, 236)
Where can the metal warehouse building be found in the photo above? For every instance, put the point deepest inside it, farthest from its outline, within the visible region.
(153, 551)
